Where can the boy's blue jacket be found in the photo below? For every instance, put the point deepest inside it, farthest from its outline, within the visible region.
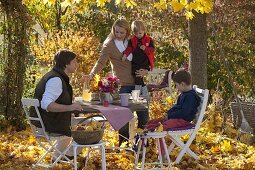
(186, 106)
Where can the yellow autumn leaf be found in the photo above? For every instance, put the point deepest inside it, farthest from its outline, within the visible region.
(124, 144)
(160, 128)
(97, 78)
(226, 146)
(192, 5)
(169, 99)
(160, 5)
(139, 131)
(130, 3)
(118, 2)
(207, 5)
(65, 4)
(177, 6)
(189, 15)
(101, 3)
(184, 2)
(50, 2)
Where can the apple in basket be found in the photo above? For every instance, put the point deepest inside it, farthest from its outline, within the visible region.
(92, 126)
(89, 128)
(79, 127)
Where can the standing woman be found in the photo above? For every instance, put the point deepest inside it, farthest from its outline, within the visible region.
(112, 50)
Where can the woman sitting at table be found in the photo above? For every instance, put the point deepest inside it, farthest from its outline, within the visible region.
(113, 46)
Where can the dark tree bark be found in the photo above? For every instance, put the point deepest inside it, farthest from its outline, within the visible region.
(58, 15)
(14, 65)
(198, 50)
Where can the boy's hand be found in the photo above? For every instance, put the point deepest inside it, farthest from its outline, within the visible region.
(142, 47)
(124, 57)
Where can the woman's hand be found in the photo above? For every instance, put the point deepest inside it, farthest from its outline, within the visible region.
(124, 58)
(86, 78)
(141, 72)
(142, 47)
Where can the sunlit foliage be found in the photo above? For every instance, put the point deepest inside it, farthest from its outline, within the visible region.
(83, 43)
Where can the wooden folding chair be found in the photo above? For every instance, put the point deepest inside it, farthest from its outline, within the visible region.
(47, 141)
(175, 135)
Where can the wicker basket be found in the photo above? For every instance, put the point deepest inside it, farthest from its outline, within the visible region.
(248, 111)
(88, 137)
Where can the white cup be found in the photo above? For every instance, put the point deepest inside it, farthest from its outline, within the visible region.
(124, 97)
(135, 94)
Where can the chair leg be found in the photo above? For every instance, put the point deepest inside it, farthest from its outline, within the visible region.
(184, 149)
(62, 154)
(159, 152)
(43, 156)
(138, 153)
(103, 158)
(167, 153)
(171, 147)
(144, 152)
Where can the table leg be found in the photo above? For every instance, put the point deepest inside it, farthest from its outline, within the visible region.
(75, 156)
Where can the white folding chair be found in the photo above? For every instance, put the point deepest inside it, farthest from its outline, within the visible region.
(47, 141)
(177, 134)
(156, 77)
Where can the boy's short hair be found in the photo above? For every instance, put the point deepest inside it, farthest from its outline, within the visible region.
(137, 25)
(182, 76)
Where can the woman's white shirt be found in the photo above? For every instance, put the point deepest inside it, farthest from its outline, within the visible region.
(122, 47)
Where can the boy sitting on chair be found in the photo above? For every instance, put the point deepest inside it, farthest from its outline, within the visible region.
(184, 111)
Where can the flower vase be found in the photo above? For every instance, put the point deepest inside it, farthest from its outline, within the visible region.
(106, 97)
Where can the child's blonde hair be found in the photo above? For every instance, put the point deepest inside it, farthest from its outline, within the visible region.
(138, 25)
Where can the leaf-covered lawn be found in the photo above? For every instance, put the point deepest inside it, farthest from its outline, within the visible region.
(19, 150)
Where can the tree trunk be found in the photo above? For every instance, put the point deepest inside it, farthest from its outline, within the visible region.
(58, 15)
(17, 24)
(198, 50)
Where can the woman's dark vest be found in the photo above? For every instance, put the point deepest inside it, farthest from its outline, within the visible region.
(56, 122)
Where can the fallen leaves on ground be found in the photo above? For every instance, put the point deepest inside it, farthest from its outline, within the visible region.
(19, 150)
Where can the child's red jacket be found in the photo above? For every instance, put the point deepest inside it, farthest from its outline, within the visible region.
(149, 51)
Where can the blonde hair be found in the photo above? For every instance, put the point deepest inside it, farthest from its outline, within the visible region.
(138, 25)
(120, 23)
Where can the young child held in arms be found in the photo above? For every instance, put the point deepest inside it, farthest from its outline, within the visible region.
(184, 111)
(142, 48)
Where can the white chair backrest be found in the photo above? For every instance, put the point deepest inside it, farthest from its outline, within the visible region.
(203, 94)
(27, 104)
(155, 76)
(170, 73)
